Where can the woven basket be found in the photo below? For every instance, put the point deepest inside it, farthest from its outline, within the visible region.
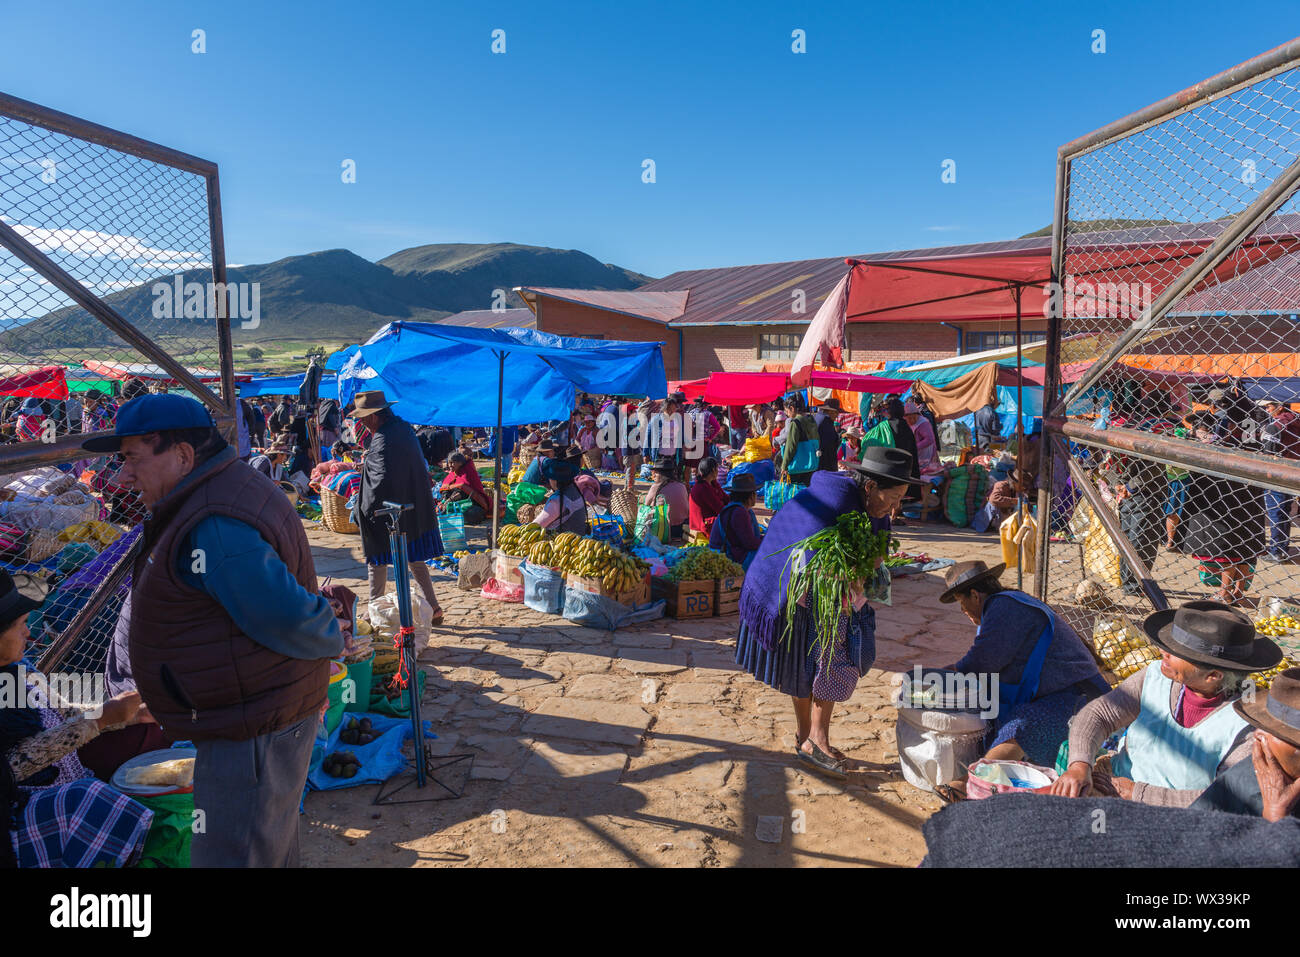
(591, 458)
(624, 504)
(334, 513)
(526, 513)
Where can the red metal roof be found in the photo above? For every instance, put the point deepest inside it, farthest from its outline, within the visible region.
(659, 305)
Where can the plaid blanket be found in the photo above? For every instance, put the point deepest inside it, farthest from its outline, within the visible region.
(82, 824)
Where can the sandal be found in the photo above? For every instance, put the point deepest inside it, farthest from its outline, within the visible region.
(823, 763)
(948, 794)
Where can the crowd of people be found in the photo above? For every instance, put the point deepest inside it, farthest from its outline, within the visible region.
(241, 672)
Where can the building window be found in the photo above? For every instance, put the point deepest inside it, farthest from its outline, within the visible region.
(778, 345)
(982, 341)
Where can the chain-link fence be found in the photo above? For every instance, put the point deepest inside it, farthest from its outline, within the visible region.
(1175, 350)
(112, 284)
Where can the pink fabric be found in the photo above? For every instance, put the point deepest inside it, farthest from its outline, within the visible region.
(824, 340)
(746, 388)
(470, 481)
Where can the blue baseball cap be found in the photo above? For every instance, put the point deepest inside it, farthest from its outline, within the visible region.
(152, 413)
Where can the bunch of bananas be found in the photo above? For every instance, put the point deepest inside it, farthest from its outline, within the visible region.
(1265, 678)
(1276, 625)
(702, 564)
(1121, 647)
(516, 540)
(617, 571)
(564, 551)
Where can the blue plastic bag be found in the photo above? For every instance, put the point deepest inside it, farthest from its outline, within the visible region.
(543, 588)
(452, 530)
(596, 611)
(380, 759)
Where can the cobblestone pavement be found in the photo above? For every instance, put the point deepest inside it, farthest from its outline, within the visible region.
(644, 746)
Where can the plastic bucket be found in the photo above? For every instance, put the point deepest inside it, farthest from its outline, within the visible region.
(935, 747)
(334, 712)
(360, 673)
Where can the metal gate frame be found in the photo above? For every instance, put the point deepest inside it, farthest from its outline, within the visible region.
(1279, 474)
(67, 448)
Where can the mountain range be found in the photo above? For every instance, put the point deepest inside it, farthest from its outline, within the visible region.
(337, 296)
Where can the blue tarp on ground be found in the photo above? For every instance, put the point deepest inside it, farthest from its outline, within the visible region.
(449, 374)
(286, 385)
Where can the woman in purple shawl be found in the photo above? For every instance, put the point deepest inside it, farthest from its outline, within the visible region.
(795, 667)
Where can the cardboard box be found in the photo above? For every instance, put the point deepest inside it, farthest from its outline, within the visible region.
(726, 595)
(505, 568)
(633, 596)
(685, 599)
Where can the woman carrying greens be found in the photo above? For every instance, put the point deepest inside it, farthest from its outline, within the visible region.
(806, 628)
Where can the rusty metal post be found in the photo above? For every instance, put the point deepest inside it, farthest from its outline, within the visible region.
(1149, 587)
(1051, 381)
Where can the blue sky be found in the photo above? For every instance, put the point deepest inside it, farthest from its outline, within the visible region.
(761, 154)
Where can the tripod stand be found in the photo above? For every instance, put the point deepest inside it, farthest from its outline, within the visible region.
(425, 763)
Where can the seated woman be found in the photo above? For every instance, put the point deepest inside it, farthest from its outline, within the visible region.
(566, 509)
(1002, 500)
(927, 443)
(707, 496)
(1045, 672)
(1182, 729)
(674, 493)
(55, 814)
(462, 483)
(735, 531)
(1268, 785)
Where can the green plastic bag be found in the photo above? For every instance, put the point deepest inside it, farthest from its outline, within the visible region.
(526, 493)
(652, 520)
(170, 833)
(396, 707)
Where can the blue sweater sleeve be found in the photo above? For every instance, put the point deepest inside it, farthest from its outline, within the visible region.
(231, 562)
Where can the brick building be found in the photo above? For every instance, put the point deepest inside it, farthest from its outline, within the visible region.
(741, 318)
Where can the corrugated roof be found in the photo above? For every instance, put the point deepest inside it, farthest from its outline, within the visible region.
(492, 318)
(765, 294)
(661, 305)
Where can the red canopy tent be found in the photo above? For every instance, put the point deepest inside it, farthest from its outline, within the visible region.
(47, 382)
(689, 387)
(745, 388)
(860, 382)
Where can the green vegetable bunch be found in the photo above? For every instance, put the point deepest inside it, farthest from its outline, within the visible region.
(839, 557)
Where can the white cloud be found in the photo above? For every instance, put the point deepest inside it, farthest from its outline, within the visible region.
(90, 243)
(941, 229)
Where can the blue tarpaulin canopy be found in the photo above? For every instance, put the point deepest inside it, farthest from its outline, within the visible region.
(286, 385)
(450, 375)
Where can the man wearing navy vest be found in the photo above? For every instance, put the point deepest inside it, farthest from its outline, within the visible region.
(229, 638)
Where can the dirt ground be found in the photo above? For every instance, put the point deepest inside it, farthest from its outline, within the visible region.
(641, 747)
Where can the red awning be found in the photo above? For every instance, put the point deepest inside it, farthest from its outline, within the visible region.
(153, 373)
(746, 388)
(860, 382)
(913, 287)
(689, 387)
(47, 382)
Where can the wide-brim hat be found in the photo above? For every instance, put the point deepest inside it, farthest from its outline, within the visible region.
(745, 483)
(368, 403)
(963, 576)
(664, 464)
(832, 404)
(1276, 710)
(281, 446)
(13, 603)
(889, 464)
(1213, 634)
